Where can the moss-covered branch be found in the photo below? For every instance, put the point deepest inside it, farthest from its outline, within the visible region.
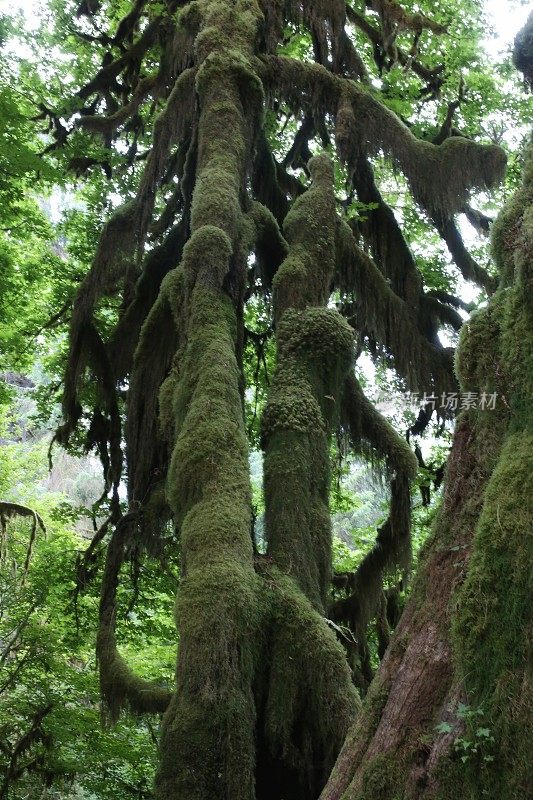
(470, 269)
(440, 177)
(365, 424)
(208, 737)
(370, 432)
(9, 511)
(118, 684)
(315, 347)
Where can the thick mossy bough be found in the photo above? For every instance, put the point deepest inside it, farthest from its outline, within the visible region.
(309, 695)
(208, 736)
(314, 355)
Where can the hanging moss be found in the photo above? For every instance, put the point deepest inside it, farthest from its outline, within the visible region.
(440, 176)
(157, 263)
(385, 316)
(391, 552)
(259, 668)
(146, 451)
(365, 423)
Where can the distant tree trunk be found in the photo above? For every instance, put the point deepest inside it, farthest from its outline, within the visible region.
(450, 711)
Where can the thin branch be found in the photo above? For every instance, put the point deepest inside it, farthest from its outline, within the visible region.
(468, 266)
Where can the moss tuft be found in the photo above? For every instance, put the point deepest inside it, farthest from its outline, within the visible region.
(310, 700)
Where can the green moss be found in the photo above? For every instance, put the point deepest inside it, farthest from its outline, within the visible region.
(493, 612)
(492, 616)
(450, 781)
(382, 779)
(288, 473)
(372, 434)
(206, 256)
(304, 277)
(208, 742)
(208, 736)
(311, 701)
(266, 227)
(172, 289)
(478, 353)
(517, 352)
(388, 318)
(512, 229)
(314, 354)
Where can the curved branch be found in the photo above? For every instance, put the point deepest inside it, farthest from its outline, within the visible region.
(470, 269)
(478, 220)
(440, 176)
(451, 300)
(9, 511)
(392, 549)
(118, 684)
(108, 125)
(105, 77)
(433, 77)
(446, 314)
(270, 246)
